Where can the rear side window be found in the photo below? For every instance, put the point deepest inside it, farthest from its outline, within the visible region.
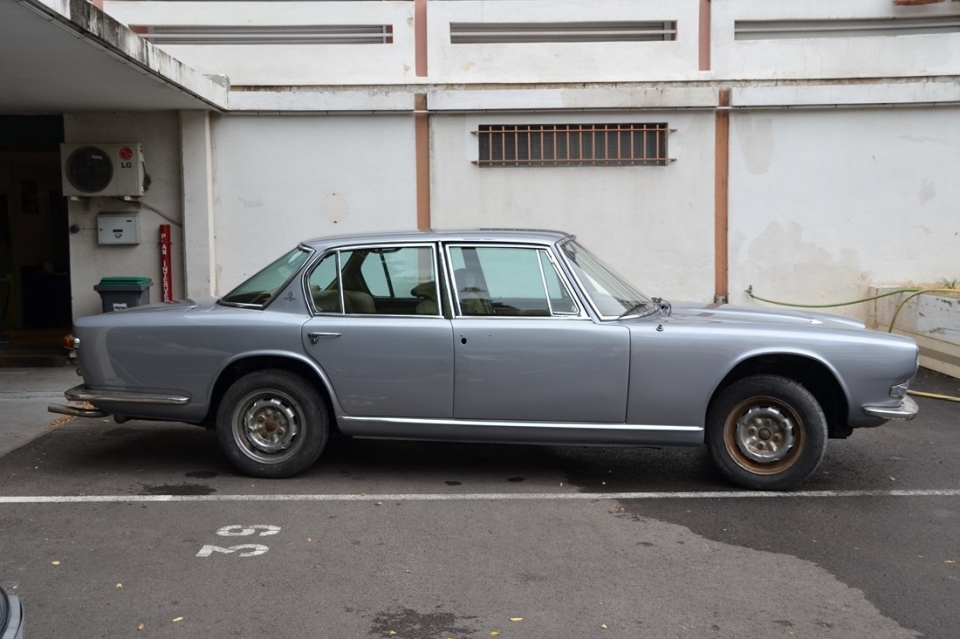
(385, 280)
(260, 289)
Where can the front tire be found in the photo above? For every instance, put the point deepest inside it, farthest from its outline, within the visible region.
(766, 432)
(272, 424)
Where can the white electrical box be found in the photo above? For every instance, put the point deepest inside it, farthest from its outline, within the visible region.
(118, 228)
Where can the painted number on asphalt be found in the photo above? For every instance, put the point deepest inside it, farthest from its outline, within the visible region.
(242, 550)
(238, 530)
(250, 550)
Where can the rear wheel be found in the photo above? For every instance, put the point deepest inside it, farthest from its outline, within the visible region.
(272, 423)
(766, 432)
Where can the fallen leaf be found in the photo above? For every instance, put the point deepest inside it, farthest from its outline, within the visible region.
(141, 626)
(950, 561)
(604, 626)
(119, 585)
(516, 618)
(55, 563)
(494, 633)
(392, 633)
(892, 478)
(177, 619)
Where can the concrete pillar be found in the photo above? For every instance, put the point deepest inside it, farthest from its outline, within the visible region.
(199, 251)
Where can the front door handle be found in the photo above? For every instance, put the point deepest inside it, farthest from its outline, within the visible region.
(315, 337)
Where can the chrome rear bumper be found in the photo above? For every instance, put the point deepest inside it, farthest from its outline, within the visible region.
(83, 394)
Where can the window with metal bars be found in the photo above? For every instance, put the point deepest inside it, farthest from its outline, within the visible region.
(573, 145)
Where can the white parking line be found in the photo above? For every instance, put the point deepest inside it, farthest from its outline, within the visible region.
(743, 494)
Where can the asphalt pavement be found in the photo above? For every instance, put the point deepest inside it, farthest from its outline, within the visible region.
(24, 396)
(144, 530)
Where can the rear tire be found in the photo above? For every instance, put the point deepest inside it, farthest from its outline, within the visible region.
(272, 424)
(766, 432)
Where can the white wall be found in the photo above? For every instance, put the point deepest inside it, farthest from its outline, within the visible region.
(283, 179)
(563, 62)
(826, 203)
(879, 56)
(160, 135)
(653, 224)
(281, 64)
(815, 57)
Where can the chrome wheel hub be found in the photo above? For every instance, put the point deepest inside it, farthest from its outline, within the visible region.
(764, 434)
(270, 425)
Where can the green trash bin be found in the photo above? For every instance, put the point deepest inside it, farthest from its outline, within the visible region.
(118, 293)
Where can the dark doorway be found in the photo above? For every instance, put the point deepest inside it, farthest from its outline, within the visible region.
(34, 239)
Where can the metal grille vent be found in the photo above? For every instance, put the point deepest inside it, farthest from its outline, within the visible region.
(307, 34)
(790, 29)
(529, 32)
(573, 145)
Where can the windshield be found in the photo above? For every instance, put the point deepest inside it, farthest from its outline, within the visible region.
(610, 294)
(260, 289)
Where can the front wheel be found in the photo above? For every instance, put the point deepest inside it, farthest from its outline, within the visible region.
(766, 432)
(272, 424)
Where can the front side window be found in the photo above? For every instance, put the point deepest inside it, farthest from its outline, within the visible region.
(611, 295)
(376, 281)
(264, 285)
(508, 281)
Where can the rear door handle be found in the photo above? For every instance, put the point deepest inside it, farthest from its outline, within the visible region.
(315, 337)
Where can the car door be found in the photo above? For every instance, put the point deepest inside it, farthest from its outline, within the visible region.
(525, 349)
(378, 332)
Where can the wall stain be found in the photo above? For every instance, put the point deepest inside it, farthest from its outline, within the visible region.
(755, 137)
(928, 191)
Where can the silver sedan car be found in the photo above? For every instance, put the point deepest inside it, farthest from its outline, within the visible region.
(489, 336)
(11, 616)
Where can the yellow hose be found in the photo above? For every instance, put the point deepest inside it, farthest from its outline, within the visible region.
(948, 398)
(913, 295)
(749, 292)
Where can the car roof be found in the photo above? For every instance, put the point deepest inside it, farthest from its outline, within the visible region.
(533, 236)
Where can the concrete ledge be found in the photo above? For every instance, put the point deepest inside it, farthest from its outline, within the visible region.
(931, 319)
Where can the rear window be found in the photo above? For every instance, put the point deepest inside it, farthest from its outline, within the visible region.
(261, 288)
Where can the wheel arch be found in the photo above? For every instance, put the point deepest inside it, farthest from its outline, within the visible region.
(248, 363)
(812, 373)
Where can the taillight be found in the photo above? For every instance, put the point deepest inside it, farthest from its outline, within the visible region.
(71, 343)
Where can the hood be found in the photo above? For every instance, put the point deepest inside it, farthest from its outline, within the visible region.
(757, 315)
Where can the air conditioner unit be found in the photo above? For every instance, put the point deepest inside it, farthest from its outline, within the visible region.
(102, 169)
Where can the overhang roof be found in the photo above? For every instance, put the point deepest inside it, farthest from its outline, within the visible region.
(67, 56)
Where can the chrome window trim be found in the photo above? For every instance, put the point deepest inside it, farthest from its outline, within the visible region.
(455, 299)
(543, 280)
(571, 290)
(514, 424)
(367, 247)
(343, 306)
